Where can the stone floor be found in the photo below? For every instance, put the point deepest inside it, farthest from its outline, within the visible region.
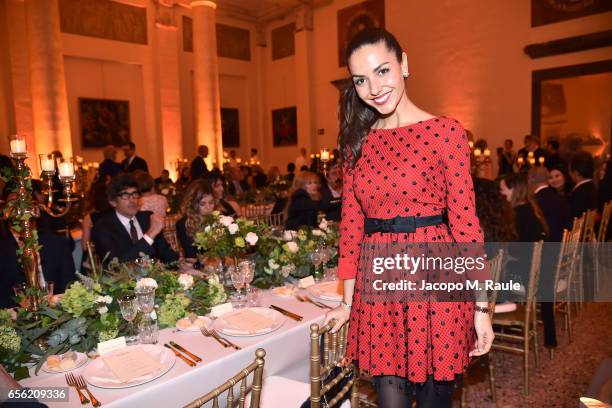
(557, 382)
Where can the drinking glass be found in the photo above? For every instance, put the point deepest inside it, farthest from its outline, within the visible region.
(145, 297)
(148, 331)
(247, 268)
(316, 258)
(129, 309)
(237, 277)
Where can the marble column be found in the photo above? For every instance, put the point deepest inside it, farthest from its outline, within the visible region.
(206, 79)
(51, 123)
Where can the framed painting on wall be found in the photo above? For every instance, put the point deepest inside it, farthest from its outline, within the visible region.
(284, 126)
(552, 11)
(230, 127)
(103, 122)
(355, 18)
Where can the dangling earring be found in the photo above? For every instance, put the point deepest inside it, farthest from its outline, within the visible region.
(406, 73)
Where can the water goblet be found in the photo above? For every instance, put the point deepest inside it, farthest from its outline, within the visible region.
(248, 270)
(237, 277)
(129, 309)
(316, 257)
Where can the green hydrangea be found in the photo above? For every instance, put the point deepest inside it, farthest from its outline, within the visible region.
(5, 318)
(173, 308)
(105, 335)
(9, 340)
(77, 299)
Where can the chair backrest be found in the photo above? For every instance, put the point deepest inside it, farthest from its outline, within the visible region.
(256, 367)
(495, 267)
(273, 220)
(588, 231)
(603, 224)
(323, 362)
(564, 263)
(254, 210)
(170, 233)
(532, 285)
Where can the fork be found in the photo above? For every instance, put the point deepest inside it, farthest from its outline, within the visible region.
(305, 298)
(208, 333)
(235, 346)
(80, 381)
(72, 383)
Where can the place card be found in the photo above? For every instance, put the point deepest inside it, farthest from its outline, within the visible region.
(131, 363)
(221, 309)
(306, 282)
(106, 347)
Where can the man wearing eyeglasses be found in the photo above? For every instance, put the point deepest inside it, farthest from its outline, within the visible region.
(126, 233)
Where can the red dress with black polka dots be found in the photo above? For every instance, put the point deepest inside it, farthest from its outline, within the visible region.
(417, 170)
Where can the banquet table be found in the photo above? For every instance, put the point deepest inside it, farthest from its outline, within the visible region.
(287, 354)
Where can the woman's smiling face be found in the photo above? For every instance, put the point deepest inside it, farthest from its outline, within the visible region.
(378, 76)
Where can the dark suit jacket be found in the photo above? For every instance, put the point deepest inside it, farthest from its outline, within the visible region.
(184, 239)
(198, 168)
(55, 259)
(110, 236)
(110, 167)
(302, 211)
(583, 198)
(332, 207)
(556, 211)
(137, 164)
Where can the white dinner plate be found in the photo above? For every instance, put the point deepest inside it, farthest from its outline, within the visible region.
(328, 290)
(223, 326)
(100, 375)
(81, 359)
(194, 327)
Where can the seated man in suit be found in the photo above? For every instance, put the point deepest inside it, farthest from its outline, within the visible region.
(127, 232)
(132, 162)
(583, 196)
(331, 193)
(56, 263)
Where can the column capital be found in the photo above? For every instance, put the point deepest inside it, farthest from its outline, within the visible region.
(206, 3)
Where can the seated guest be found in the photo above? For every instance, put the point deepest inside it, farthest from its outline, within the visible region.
(273, 174)
(225, 205)
(198, 202)
(163, 181)
(559, 180)
(553, 158)
(149, 200)
(530, 222)
(331, 193)
(55, 263)
(184, 179)
(46, 221)
(259, 178)
(126, 232)
(583, 196)
(236, 181)
(304, 201)
(494, 212)
(555, 207)
(290, 172)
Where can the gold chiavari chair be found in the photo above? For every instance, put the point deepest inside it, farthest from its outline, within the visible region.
(285, 392)
(520, 325)
(603, 223)
(256, 367)
(495, 266)
(602, 257)
(273, 220)
(587, 237)
(170, 233)
(253, 211)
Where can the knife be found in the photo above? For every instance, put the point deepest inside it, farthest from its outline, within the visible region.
(287, 313)
(184, 350)
(182, 357)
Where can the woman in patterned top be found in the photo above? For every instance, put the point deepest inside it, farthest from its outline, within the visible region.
(404, 165)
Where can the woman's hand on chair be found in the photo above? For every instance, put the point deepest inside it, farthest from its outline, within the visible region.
(341, 314)
(484, 333)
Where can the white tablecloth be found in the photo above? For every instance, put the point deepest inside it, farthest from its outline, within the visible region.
(287, 354)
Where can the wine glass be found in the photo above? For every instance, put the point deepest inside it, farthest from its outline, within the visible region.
(129, 309)
(238, 280)
(316, 257)
(145, 297)
(248, 270)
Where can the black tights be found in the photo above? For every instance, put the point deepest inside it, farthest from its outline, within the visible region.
(396, 392)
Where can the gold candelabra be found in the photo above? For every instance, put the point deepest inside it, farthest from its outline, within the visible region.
(23, 209)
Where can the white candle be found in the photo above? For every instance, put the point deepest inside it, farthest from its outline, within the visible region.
(238, 160)
(530, 155)
(541, 160)
(96, 165)
(86, 167)
(477, 152)
(66, 169)
(487, 152)
(79, 159)
(324, 155)
(520, 160)
(48, 164)
(18, 146)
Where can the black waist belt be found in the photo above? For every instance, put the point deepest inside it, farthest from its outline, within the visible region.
(401, 224)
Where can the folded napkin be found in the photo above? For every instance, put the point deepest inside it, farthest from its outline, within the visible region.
(131, 363)
(333, 289)
(248, 321)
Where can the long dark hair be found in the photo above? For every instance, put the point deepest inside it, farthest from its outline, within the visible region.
(355, 117)
(521, 195)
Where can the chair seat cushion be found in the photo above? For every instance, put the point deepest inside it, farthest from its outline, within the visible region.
(505, 307)
(281, 392)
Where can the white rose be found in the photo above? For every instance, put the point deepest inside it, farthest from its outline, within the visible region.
(233, 228)
(104, 299)
(292, 247)
(226, 221)
(251, 238)
(317, 232)
(103, 310)
(146, 282)
(207, 228)
(323, 224)
(186, 281)
(288, 235)
(272, 264)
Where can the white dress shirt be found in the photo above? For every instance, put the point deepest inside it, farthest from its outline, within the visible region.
(125, 221)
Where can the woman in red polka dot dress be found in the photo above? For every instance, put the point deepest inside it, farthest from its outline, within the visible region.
(400, 161)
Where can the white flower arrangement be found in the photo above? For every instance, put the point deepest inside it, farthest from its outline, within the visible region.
(186, 281)
(292, 247)
(233, 228)
(103, 310)
(287, 269)
(323, 224)
(289, 235)
(226, 220)
(317, 232)
(146, 282)
(251, 238)
(104, 299)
